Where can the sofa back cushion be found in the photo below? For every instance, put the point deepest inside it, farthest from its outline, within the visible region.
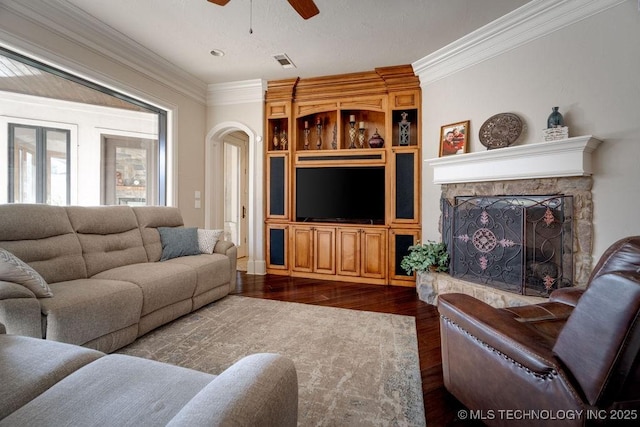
(42, 236)
(600, 341)
(109, 236)
(149, 219)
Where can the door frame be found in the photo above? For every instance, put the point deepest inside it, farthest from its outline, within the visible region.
(214, 189)
(242, 144)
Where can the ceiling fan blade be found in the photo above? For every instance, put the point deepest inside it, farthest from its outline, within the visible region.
(219, 2)
(305, 8)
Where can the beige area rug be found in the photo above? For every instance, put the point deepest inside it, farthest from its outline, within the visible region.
(355, 368)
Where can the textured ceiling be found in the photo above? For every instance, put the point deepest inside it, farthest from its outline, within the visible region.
(347, 36)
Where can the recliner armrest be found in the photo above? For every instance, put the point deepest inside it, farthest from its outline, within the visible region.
(19, 310)
(258, 390)
(10, 290)
(569, 296)
(499, 330)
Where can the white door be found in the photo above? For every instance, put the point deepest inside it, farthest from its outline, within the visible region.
(236, 190)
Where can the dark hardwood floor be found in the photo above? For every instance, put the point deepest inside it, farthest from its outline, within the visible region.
(440, 406)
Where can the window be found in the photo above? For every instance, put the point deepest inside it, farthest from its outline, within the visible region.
(128, 170)
(47, 171)
(39, 167)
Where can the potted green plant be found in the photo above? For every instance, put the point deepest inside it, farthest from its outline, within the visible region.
(429, 256)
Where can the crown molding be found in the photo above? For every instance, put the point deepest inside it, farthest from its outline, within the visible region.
(80, 28)
(240, 92)
(535, 19)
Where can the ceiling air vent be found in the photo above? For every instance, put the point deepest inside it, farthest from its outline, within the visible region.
(284, 60)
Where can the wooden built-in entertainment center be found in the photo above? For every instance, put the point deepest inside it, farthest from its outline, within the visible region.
(327, 122)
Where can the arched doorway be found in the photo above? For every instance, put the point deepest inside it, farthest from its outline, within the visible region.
(215, 189)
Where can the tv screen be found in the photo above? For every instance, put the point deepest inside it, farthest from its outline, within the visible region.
(340, 194)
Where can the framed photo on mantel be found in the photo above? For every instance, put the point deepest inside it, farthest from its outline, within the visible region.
(454, 138)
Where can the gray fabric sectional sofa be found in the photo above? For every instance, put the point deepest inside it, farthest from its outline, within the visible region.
(90, 280)
(47, 383)
(102, 265)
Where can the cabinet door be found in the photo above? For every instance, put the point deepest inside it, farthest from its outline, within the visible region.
(324, 256)
(348, 252)
(399, 242)
(374, 253)
(302, 244)
(406, 188)
(277, 247)
(277, 185)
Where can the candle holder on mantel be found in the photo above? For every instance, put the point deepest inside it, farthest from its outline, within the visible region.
(319, 130)
(352, 132)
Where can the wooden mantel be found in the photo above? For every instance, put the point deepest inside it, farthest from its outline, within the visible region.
(567, 157)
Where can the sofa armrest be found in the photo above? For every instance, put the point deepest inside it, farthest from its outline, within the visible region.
(569, 296)
(227, 248)
(258, 390)
(499, 330)
(9, 290)
(19, 310)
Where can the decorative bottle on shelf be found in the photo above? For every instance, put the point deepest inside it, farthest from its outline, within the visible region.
(555, 119)
(283, 139)
(404, 129)
(319, 130)
(306, 135)
(276, 140)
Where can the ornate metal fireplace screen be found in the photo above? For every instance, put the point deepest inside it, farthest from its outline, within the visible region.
(521, 244)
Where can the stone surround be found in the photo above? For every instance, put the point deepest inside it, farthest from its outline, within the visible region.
(430, 285)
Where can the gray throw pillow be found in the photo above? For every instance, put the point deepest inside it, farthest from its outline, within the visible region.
(178, 241)
(13, 269)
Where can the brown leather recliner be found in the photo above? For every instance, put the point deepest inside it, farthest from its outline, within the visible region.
(570, 361)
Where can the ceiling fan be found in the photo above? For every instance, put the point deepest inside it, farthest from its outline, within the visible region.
(305, 8)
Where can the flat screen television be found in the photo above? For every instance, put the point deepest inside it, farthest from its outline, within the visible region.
(340, 194)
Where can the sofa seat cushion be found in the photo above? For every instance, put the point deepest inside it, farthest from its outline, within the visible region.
(114, 390)
(212, 270)
(29, 366)
(84, 309)
(161, 283)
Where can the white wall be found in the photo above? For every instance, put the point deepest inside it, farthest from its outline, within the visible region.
(590, 70)
(87, 124)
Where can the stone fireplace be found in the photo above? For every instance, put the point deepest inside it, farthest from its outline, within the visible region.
(517, 243)
(484, 218)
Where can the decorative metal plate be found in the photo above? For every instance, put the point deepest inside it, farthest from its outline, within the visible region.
(500, 130)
